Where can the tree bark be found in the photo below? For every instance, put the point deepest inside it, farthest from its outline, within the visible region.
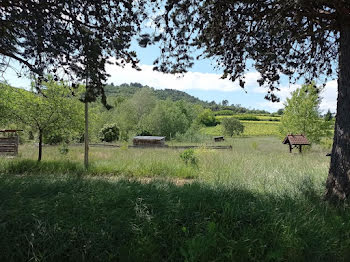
(86, 136)
(338, 181)
(40, 145)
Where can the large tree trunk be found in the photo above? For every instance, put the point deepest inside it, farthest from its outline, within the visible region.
(338, 181)
(40, 145)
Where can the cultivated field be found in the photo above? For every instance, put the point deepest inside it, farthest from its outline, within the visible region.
(256, 202)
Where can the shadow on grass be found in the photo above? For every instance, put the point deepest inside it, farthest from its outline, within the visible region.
(63, 218)
(59, 167)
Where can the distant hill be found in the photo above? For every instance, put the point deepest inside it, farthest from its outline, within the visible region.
(127, 90)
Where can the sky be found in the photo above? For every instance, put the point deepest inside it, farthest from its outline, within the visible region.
(202, 81)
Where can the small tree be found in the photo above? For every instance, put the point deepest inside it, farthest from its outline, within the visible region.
(166, 119)
(328, 116)
(232, 126)
(207, 118)
(280, 111)
(51, 111)
(109, 133)
(301, 114)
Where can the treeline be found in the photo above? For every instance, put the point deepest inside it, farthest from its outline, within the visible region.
(144, 113)
(127, 90)
(57, 116)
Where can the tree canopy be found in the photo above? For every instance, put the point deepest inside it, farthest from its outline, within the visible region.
(297, 38)
(70, 39)
(301, 115)
(53, 111)
(291, 37)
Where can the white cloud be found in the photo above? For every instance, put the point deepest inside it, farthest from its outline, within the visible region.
(329, 96)
(190, 80)
(213, 82)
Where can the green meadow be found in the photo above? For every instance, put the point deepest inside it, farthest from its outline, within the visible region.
(256, 202)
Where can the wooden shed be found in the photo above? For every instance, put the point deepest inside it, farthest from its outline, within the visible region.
(296, 141)
(9, 143)
(149, 141)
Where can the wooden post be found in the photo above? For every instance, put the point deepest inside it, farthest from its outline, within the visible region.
(16, 145)
(290, 147)
(300, 148)
(86, 136)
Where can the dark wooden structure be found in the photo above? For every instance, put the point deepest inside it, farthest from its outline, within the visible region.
(149, 141)
(9, 143)
(219, 138)
(296, 141)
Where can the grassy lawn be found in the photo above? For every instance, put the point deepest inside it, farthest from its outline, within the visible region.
(255, 202)
(251, 128)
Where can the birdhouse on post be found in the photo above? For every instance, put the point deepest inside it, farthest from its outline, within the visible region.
(296, 141)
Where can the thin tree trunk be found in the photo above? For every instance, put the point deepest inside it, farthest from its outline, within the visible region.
(40, 145)
(86, 136)
(338, 181)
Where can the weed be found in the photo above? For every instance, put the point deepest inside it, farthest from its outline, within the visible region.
(189, 157)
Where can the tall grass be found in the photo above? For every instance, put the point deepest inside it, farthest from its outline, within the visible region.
(256, 202)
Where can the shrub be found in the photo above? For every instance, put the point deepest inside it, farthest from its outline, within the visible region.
(53, 138)
(232, 126)
(109, 133)
(207, 118)
(189, 157)
(63, 149)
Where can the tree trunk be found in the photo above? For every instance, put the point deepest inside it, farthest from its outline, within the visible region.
(86, 136)
(338, 181)
(40, 145)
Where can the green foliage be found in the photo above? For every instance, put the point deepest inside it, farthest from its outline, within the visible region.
(301, 115)
(54, 113)
(132, 111)
(63, 149)
(328, 116)
(192, 134)
(189, 157)
(53, 138)
(166, 119)
(280, 111)
(251, 128)
(207, 118)
(248, 117)
(232, 126)
(109, 133)
(224, 113)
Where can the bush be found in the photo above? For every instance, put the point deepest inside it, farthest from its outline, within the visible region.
(207, 118)
(109, 133)
(193, 134)
(189, 157)
(144, 133)
(232, 126)
(63, 149)
(53, 139)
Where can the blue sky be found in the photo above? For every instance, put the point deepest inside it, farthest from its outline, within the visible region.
(202, 81)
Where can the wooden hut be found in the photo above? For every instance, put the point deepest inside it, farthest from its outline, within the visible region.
(296, 141)
(9, 143)
(146, 141)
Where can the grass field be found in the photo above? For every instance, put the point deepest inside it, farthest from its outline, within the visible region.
(255, 202)
(248, 117)
(251, 128)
